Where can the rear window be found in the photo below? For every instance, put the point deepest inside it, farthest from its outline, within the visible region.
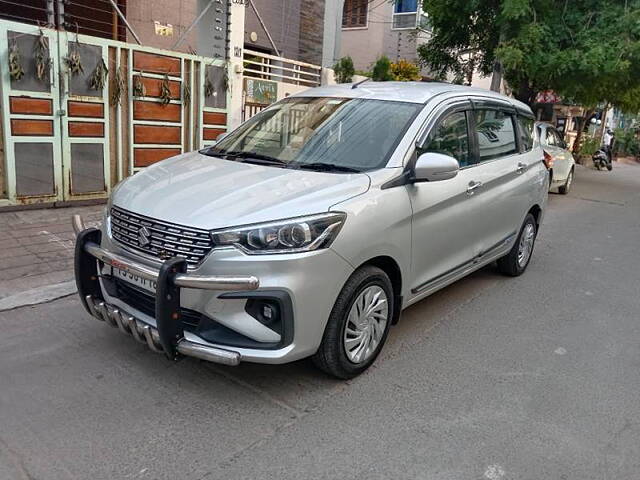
(551, 138)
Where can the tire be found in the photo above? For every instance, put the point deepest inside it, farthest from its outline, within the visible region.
(609, 166)
(564, 189)
(333, 356)
(510, 264)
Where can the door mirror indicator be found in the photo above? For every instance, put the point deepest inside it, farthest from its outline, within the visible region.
(433, 167)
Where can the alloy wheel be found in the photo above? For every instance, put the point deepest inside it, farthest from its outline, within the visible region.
(366, 324)
(525, 246)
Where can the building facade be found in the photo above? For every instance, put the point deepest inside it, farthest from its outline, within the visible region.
(304, 30)
(371, 29)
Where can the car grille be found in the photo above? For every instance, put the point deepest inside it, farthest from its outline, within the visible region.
(146, 303)
(165, 240)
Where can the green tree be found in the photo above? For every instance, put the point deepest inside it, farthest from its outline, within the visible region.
(587, 51)
(344, 70)
(382, 70)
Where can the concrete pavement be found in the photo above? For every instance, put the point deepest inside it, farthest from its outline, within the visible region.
(536, 377)
(36, 252)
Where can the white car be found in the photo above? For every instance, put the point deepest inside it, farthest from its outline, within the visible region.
(308, 229)
(557, 157)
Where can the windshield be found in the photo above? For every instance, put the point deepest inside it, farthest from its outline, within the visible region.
(305, 132)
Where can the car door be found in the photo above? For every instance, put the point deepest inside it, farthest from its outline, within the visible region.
(501, 168)
(445, 213)
(563, 157)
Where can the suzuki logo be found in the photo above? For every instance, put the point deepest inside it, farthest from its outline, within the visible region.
(144, 237)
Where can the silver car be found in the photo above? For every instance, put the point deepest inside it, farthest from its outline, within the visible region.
(307, 230)
(557, 157)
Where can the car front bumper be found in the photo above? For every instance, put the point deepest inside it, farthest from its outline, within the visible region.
(304, 285)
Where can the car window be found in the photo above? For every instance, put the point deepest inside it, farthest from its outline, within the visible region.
(551, 138)
(451, 137)
(559, 139)
(526, 132)
(495, 134)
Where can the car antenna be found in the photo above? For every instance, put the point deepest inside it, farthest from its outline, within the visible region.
(356, 85)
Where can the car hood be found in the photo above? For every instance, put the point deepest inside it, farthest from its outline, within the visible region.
(208, 192)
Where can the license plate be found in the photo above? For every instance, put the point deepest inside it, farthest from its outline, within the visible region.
(128, 277)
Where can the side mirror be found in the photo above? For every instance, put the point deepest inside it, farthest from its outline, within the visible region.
(433, 167)
(218, 138)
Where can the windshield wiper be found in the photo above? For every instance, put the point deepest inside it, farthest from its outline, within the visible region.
(251, 157)
(326, 167)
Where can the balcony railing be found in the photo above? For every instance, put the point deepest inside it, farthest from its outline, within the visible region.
(279, 69)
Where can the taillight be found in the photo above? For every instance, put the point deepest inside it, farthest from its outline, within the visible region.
(548, 160)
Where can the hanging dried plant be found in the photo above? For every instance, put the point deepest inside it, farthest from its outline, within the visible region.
(41, 57)
(209, 90)
(73, 60)
(186, 94)
(15, 66)
(139, 89)
(98, 78)
(119, 87)
(225, 78)
(165, 91)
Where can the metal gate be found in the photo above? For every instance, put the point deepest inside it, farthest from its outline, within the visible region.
(79, 113)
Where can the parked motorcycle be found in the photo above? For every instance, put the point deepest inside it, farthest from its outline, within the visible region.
(601, 160)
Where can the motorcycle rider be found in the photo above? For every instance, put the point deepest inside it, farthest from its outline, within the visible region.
(607, 142)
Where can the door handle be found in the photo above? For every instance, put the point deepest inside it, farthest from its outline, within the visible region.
(521, 167)
(473, 186)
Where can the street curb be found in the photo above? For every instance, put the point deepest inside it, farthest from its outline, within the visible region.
(38, 295)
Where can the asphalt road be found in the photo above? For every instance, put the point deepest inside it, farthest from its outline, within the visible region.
(492, 378)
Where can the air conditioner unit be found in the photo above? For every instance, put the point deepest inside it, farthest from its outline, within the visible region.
(405, 21)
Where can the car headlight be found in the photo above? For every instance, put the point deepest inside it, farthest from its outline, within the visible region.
(292, 235)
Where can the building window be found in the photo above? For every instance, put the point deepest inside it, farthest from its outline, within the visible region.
(354, 14)
(406, 6)
(406, 14)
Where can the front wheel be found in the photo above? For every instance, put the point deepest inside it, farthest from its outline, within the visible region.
(516, 261)
(609, 166)
(358, 324)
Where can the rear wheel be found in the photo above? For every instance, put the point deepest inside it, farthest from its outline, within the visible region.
(516, 261)
(358, 324)
(564, 189)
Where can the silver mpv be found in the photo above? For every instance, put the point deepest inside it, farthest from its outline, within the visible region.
(307, 230)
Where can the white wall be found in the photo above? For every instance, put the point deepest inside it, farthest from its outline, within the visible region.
(365, 45)
(236, 45)
(480, 81)
(287, 89)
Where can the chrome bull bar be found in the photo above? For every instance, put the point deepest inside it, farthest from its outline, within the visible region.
(168, 335)
(183, 280)
(146, 334)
